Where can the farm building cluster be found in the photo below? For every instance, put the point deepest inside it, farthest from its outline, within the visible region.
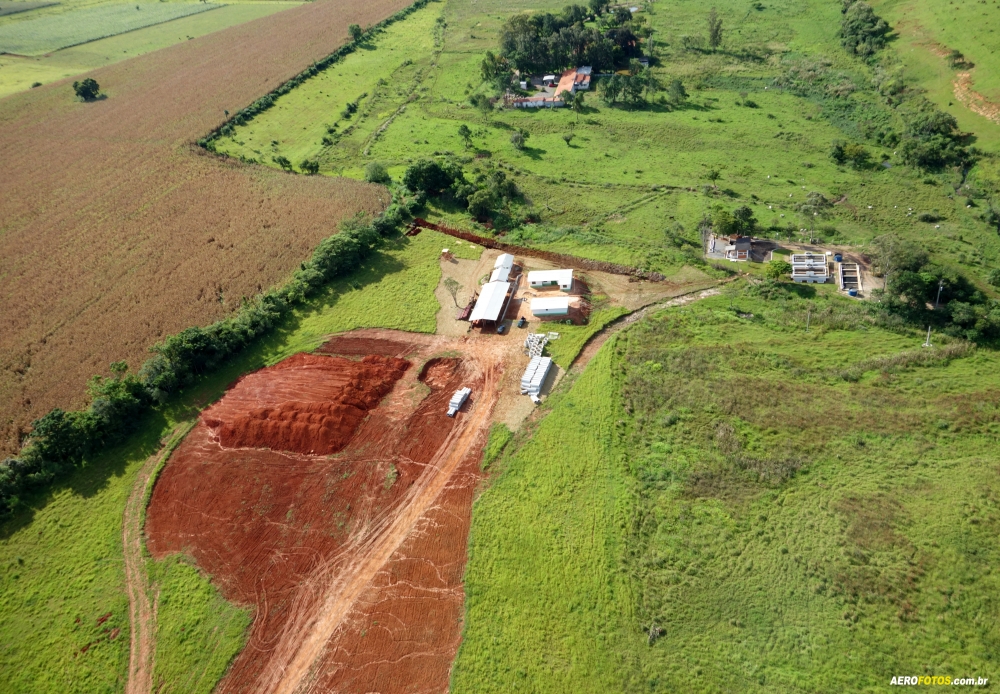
(809, 265)
(550, 90)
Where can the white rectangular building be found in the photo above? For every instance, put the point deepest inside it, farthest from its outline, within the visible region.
(551, 278)
(810, 267)
(546, 306)
(491, 302)
(500, 274)
(504, 260)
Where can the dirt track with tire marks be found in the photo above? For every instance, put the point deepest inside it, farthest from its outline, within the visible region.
(354, 560)
(115, 230)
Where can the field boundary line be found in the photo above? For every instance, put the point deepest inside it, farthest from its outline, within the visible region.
(142, 612)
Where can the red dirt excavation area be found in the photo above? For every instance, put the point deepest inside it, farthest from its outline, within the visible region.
(333, 494)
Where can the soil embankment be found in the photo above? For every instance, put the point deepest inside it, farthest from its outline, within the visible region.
(353, 560)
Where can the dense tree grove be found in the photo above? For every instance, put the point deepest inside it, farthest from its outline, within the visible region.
(540, 42)
(488, 193)
(862, 32)
(913, 284)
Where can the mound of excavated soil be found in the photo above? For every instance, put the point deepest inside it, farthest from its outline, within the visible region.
(276, 530)
(322, 427)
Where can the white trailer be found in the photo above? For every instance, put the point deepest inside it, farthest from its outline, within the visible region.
(457, 400)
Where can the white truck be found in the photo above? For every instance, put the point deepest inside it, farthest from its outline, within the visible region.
(457, 400)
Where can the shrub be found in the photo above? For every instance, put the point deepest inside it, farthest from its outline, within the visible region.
(929, 217)
(429, 176)
(375, 172)
(776, 269)
(309, 166)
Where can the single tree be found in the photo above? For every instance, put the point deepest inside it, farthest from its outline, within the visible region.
(597, 6)
(578, 105)
(483, 104)
(452, 286)
(568, 137)
(517, 139)
(713, 175)
(309, 166)
(745, 220)
(566, 97)
(676, 92)
(375, 172)
(776, 269)
(88, 89)
(465, 134)
(283, 162)
(714, 29)
(355, 31)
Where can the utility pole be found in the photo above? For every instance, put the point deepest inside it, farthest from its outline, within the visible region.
(927, 342)
(938, 299)
(808, 317)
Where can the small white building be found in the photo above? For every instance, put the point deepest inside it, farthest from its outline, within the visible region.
(545, 307)
(551, 278)
(491, 302)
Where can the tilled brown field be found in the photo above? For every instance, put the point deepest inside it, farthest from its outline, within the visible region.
(353, 561)
(115, 230)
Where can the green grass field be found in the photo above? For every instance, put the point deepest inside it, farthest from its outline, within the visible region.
(786, 511)
(631, 185)
(18, 73)
(572, 338)
(61, 558)
(547, 607)
(37, 36)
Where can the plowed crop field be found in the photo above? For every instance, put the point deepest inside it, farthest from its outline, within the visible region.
(115, 230)
(353, 559)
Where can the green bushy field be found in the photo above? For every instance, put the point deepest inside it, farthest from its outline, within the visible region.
(726, 502)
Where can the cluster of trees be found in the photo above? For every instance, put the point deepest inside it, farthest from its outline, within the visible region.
(914, 285)
(542, 41)
(740, 221)
(484, 196)
(932, 139)
(862, 32)
(61, 441)
(634, 87)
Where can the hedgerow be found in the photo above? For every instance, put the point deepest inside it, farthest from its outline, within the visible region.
(265, 102)
(61, 440)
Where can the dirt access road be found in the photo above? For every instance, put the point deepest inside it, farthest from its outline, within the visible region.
(352, 560)
(142, 610)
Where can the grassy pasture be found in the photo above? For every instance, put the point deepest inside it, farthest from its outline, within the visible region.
(41, 35)
(630, 185)
(62, 558)
(547, 608)
(788, 511)
(18, 73)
